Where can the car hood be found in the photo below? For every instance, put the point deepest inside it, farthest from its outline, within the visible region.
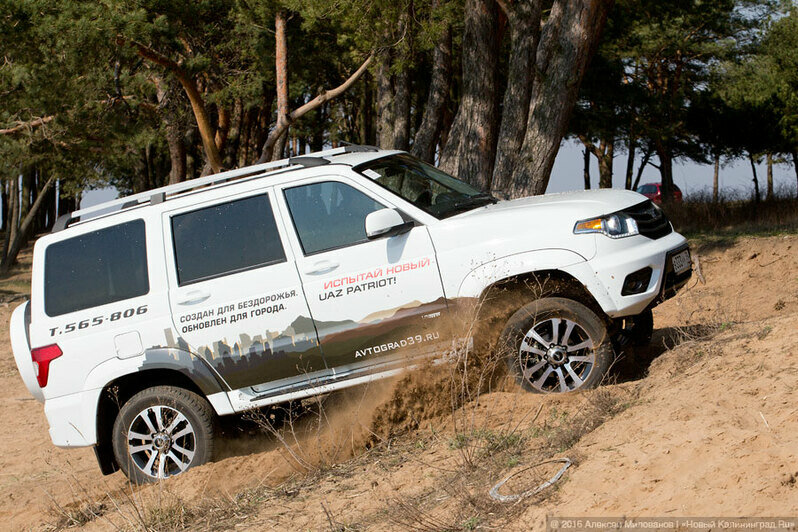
(581, 203)
(528, 224)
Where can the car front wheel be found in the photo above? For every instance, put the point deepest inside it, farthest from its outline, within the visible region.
(161, 432)
(556, 345)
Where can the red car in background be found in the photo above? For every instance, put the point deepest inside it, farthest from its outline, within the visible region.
(653, 191)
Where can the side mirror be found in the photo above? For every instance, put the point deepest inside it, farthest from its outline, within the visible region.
(386, 222)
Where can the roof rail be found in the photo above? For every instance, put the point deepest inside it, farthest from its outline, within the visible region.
(161, 194)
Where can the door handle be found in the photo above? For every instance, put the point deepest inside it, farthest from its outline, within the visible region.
(323, 266)
(194, 297)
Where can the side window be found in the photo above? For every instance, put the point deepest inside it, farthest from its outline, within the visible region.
(329, 215)
(95, 269)
(225, 238)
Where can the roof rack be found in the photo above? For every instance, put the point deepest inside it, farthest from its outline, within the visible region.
(159, 195)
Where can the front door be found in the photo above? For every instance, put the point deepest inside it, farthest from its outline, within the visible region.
(371, 300)
(235, 294)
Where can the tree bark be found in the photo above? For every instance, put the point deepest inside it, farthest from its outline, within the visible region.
(174, 138)
(401, 124)
(643, 163)
(470, 151)
(11, 217)
(366, 117)
(716, 180)
(604, 153)
(281, 77)
(770, 176)
(524, 20)
(607, 148)
(21, 235)
(586, 168)
(430, 129)
(281, 127)
(757, 197)
(385, 98)
(630, 163)
(567, 43)
(795, 167)
(665, 155)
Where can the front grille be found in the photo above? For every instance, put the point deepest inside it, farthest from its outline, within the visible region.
(651, 221)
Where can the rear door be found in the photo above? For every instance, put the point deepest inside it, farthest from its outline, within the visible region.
(235, 294)
(372, 301)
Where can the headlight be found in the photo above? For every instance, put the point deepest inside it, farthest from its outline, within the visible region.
(617, 225)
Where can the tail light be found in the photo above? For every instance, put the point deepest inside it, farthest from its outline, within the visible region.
(42, 356)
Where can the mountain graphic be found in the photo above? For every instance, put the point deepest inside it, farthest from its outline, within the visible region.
(380, 315)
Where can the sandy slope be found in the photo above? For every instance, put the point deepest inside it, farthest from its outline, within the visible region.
(712, 428)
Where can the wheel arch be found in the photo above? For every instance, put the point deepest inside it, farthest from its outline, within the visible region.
(500, 299)
(159, 367)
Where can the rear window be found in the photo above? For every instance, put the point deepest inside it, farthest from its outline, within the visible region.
(226, 238)
(95, 269)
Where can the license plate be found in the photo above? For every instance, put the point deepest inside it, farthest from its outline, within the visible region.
(681, 261)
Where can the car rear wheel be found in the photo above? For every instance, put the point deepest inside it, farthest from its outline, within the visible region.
(556, 345)
(161, 432)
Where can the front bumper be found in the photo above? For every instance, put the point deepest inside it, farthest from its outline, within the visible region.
(617, 258)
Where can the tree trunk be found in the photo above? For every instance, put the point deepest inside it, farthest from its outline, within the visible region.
(795, 166)
(21, 236)
(643, 163)
(470, 151)
(174, 138)
(282, 126)
(281, 77)
(430, 128)
(366, 133)
(11, 217)
(665, 155)
(568, 41)
(28, 185)
(385, 98)
(194, 96)
(4, 201)
(586, 168)
(524, 21)
(401, 125)
(607, 149)
(757, 197)
(770, 176)
(716, 180)
(630, 163)
(604, 153)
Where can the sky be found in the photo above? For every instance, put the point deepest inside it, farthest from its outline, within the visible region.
(692, 178)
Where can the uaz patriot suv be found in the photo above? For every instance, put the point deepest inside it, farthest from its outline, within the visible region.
(153, 314)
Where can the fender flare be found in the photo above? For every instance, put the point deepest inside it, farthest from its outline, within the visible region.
(570, 262)
(195, 368)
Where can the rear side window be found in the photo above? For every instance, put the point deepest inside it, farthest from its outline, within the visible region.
(329, 215)
(226, 238)
(95, 269)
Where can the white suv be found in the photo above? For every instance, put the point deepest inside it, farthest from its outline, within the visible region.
(153, 314)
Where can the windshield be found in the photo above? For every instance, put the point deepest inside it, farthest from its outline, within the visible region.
(423, 185)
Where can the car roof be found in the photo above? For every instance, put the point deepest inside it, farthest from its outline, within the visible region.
(350, 155)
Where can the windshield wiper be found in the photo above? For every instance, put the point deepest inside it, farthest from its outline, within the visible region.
(469, 202)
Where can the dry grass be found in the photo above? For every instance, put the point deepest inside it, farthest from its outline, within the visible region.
(733, 215)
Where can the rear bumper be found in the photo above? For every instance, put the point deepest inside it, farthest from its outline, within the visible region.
(73, 418)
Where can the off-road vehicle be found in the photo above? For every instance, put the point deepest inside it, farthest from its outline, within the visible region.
(153, 314)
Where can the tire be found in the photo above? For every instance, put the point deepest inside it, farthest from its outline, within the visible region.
(161, 432)
(640, 327)
(577, 359)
